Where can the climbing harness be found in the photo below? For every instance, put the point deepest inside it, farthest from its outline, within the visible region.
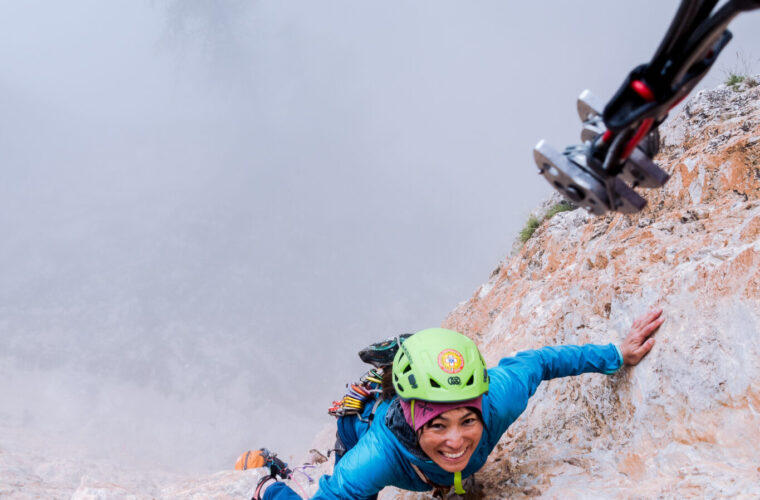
(621, 140)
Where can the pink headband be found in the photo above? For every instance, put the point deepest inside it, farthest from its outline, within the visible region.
(425, 411)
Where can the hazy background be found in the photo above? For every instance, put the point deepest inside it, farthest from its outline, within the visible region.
(207, 207)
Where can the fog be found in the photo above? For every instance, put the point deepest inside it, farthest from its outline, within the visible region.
(207, 208)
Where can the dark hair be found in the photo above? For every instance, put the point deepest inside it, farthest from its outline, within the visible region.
(388, 390)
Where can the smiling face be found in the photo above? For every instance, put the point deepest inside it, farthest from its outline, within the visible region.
(450, 438)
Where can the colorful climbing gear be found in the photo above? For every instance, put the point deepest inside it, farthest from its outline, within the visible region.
(358, 395)
(370, 385)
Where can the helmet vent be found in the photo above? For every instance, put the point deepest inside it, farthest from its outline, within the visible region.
(433, 383)
(400, 387)
(407, 369)
(471, 380)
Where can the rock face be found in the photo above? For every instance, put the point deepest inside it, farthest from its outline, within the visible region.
(686, 421)
(34, 466)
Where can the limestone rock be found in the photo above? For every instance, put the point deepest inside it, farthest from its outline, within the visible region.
(685, 422)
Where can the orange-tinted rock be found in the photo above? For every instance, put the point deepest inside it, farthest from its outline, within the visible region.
(685, 423)
(751, 231)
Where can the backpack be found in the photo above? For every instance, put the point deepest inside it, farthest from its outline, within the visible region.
(369, 387)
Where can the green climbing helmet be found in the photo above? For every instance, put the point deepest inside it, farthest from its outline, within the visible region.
(439, 365)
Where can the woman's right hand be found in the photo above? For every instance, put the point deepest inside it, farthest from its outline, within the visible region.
(639, 342)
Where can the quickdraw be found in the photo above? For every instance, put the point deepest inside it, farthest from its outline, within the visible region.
(370, 385)
(358, 394)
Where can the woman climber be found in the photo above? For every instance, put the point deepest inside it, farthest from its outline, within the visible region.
(449, 411)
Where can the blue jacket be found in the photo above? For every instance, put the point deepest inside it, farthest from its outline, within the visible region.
(379, 459)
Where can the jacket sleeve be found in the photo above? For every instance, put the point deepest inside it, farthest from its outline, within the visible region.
(362, 472)
(280, 491)
(516, 378)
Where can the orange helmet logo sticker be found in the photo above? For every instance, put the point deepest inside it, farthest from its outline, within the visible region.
(451, 361)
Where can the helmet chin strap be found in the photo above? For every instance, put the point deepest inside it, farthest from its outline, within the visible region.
(412, 407)
(458, 489)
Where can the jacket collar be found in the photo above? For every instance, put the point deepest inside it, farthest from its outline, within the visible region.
(397, 424)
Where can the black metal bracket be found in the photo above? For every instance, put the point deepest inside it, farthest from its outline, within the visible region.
(620, 142)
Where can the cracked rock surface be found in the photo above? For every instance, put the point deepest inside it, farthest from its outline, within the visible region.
(685, 423)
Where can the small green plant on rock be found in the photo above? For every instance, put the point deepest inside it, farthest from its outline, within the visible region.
(740, 73)
(534, 222)
(529, 229)
(562, 206)
(732, 80)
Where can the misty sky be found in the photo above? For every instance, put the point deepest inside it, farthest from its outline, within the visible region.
(207, 207)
